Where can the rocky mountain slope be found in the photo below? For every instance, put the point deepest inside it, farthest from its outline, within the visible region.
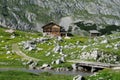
(32, 14)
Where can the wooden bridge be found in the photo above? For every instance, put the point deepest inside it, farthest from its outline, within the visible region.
(93, 66)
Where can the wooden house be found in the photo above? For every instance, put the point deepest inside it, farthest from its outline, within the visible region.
(53, 29)
(94, 33)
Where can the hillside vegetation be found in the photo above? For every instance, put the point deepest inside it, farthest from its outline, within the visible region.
(7, 57)
(106, 75)
(74, 48)
(32, 47)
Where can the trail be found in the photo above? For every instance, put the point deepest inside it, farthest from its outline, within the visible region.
(15, 48)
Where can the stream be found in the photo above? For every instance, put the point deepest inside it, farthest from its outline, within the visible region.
(34, 71)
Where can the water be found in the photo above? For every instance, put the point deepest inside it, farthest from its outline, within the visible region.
(50, 71)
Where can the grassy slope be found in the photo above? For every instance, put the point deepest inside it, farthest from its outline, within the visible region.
(18, 75)
(72, 53)
(102, 47)
(12, 59)
(49, 48)
(106, 75)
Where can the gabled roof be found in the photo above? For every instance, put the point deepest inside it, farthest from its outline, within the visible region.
(94, 31)
(10, 30)
(51, 24)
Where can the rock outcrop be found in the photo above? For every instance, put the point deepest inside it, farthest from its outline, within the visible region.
(31, 14)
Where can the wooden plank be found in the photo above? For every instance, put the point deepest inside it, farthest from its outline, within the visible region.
(94, 64)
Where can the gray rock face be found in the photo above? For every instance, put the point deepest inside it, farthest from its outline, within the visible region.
(27, 18)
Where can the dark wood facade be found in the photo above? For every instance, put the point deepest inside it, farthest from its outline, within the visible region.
(94, 33)
(53, 29)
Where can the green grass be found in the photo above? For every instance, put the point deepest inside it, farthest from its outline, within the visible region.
(19, 75)
(72, 53)
(12, 60)
(49, 48)
(106, 74)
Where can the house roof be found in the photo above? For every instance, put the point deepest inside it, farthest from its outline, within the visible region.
(51, 24)
(10, 31)
(94, 31)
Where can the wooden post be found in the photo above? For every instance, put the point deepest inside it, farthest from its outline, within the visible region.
(93, 69)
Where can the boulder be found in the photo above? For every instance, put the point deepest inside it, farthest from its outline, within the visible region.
(29, 45)
(74, 67)
(77, 43)
(66, 46)
(53, 62)
(61, 53)
(94, 54)
(39, 40)
(58, 61)
(39, 49)
(57, 49)
(59, 38)
(30, 62)
(80, 68)
(8, 52)
(48, 54)
(117, 46)
(32, 66)
(62, 59)
(104, 41)
(78, 77)
(84, 47)
(31, 48)
(108, 46)
(66, 37)
(12, 36)
(44, 66)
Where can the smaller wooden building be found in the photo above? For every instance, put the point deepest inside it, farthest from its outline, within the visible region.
(53, 29)
(94, 33)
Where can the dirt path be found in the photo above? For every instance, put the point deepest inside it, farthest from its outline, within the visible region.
(16, 49)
